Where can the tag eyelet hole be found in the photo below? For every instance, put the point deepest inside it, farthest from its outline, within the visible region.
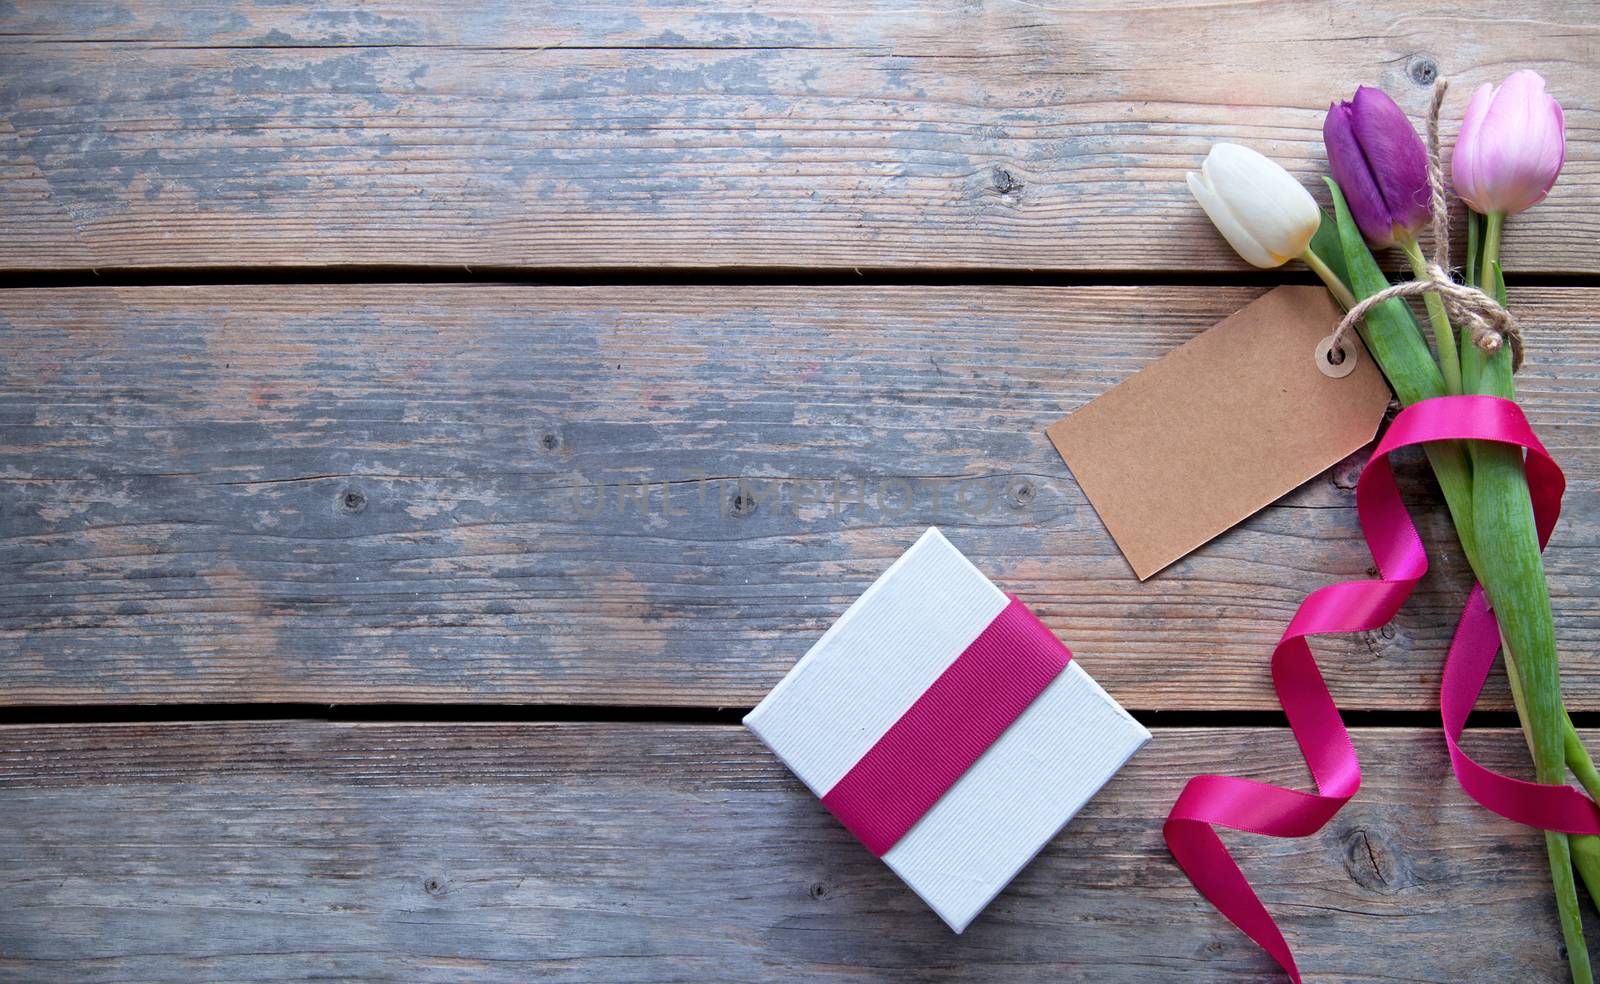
(1335, 364)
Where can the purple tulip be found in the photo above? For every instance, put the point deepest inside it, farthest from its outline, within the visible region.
(1512, 144)
(1380, 164)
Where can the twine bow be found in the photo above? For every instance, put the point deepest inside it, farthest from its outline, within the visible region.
(1491, 325)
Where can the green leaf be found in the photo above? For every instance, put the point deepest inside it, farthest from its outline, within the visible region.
(1327, 246)
(1395, 339)
(1391, 332)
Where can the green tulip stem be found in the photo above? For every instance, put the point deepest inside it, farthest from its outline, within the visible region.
(1513, 576)
(1494, 222)
(1586, 858)
(1335, 286)
(1444, 337)
(1481, 258)
(1577, 756)
(1581, 765)
(1469, 269)
(1471, 361)
(1488, 500)
(1585, 848)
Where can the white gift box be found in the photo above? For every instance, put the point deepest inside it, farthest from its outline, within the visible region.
(884, 653)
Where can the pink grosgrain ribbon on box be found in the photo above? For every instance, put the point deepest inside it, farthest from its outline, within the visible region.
(947, 728)
(1355, 606)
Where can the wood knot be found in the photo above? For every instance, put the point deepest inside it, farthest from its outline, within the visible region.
(1005, 183)
(1379, 637)
(351, 502)
(1380, 642)
(1347, 473)
(550, 442)
(433, 885)
(818, 891)
(1423, 70)
(1020, 493)
(741, 504)
(1372, 862)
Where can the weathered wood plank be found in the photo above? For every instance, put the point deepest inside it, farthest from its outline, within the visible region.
(835, 134)
(268, 851)
(349, 494)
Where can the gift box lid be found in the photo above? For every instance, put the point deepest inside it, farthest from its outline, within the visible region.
(883, 654)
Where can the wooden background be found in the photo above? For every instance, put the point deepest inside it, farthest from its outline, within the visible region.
(321, 324)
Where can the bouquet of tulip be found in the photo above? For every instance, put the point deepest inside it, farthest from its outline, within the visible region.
(1508, 152)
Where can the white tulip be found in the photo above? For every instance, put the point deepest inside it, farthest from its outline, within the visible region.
(1259, 208)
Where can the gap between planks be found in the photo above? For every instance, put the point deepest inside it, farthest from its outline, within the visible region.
(359, 275)
(480, 713)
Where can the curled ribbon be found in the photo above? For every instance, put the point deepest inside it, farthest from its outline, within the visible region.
(1355, 606)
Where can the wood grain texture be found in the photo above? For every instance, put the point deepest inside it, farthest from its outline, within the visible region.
(828, 134)
(366, 494)
(277, 851)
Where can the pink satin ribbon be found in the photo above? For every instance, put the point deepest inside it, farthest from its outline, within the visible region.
(1355, 606)
(946, 730)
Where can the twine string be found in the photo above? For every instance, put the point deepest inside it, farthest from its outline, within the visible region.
(1490, 325)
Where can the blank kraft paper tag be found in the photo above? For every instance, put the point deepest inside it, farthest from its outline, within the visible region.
(1231, 421)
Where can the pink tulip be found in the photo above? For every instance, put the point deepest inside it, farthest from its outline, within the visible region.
(1512, 144)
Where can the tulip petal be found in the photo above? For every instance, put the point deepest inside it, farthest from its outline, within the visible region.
(1519, 146)
(1264, 199)
(1558, 123)
(1505, 135)
(1349, 165)
(1466, 163)
(1395, 153)
(1546, 150)
(1241, 241)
